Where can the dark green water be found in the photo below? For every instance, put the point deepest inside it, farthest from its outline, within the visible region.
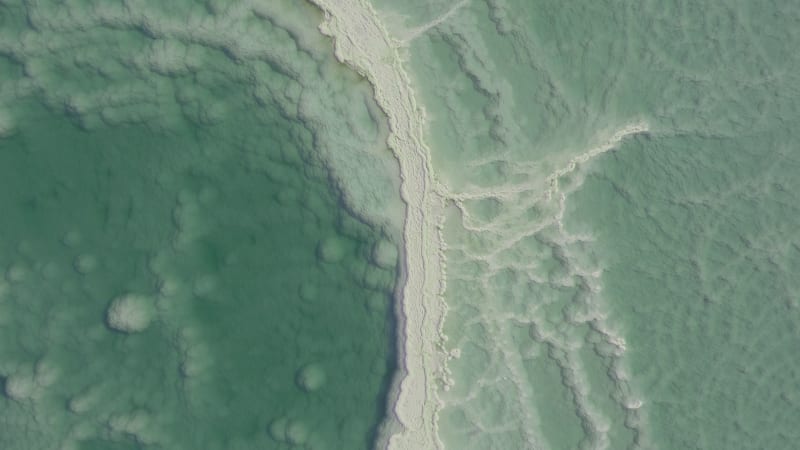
(178, 271)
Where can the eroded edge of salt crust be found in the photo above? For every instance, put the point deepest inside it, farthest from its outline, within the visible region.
(362, 42)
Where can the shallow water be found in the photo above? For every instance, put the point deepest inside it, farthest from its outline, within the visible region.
(179, 271)
(645, 297)
(200, 243)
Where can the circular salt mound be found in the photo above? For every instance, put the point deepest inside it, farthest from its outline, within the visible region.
(6, 124)
(20, 387)
(376, 302)
(384, 254)
(16, 273)
(85, 264)
(311, 377)
(130, 313)
(331, 250)
(308, 292)
(292, 432)
(72, 238)
(296, 433)
(277, 429)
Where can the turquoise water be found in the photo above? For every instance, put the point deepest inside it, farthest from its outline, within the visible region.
(179, 270)
(201, 233)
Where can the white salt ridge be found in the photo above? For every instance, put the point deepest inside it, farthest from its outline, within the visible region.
(362, 42)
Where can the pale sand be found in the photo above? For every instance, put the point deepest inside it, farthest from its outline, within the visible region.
(362, 42)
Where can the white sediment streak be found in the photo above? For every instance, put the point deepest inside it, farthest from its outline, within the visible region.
(362, 42)
(610, 144)
(416, 32)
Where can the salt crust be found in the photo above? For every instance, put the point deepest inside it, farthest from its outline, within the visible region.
(362, 42)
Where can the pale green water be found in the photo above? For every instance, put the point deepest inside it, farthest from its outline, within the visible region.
(656, 306)
(200, 219)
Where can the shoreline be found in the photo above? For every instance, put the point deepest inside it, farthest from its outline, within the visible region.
(362, 43)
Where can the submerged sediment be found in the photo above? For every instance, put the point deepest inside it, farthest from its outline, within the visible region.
(176, 268)
(587, 291)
